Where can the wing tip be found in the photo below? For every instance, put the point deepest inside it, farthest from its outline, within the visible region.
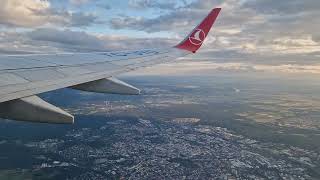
(216, 9)
(196, 38)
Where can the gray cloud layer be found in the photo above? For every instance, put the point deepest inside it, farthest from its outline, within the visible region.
(253, 26)
(46, 40)
(159, 4)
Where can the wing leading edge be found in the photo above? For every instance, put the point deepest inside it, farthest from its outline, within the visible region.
(22, 77)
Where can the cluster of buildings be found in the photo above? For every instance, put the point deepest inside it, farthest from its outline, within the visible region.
(180, 149)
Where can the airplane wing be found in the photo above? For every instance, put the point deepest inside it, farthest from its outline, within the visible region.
(22, 77)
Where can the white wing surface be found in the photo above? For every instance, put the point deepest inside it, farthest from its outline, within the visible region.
(22, 77)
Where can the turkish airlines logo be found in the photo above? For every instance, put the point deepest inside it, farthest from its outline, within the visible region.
(197, 37)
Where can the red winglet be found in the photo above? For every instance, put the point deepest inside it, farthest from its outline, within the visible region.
(195, 39)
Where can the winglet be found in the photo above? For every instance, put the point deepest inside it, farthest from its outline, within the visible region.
(195, 39)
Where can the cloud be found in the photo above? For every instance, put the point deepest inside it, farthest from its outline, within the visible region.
(144, 4)
(23, 13)
(50, 40)
(127, 43)
(79, 19)
(227, 34)
(18, 43)
(180, 19)
(206, 67)
(244, 28)
(283, 7)
(78, 2)
(104, 6)
(185, 17)
(67, 39)
(252, 26)
(37, 13)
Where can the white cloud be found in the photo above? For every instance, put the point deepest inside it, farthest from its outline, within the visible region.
(160, 4)
(37, 13)
(23, 13)
(78, 2)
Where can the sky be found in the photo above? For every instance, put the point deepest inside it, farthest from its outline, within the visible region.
(274, 34)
